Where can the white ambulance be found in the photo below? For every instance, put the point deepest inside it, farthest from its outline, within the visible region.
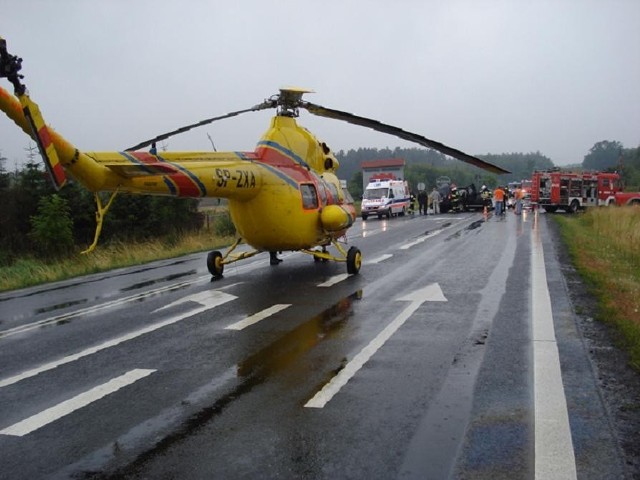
(384, 198)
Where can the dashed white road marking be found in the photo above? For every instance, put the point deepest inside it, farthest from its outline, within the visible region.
(421, 239)
(335, 279)
(256, 317)
(212, 301)
(56, 412)
(554, 454)
(379, 259)
(431, 293)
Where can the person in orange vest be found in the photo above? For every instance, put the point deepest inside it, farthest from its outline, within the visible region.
(519, 194)
(498, 201)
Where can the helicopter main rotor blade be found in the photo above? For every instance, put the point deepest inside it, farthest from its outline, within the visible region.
(398, 132)
(262, 106)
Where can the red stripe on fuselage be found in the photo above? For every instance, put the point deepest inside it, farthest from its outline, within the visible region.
(186, 186)
(285, 164)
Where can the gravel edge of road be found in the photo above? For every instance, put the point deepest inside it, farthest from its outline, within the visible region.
(619, 384)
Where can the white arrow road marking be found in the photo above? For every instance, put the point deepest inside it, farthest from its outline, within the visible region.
(205, 298)
(56, 412)
(421, 239)
(430, 293)
(256, 317)
(216, 298)
(97, 308)
(554, 454)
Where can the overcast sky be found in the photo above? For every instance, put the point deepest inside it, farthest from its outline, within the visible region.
(483, 76)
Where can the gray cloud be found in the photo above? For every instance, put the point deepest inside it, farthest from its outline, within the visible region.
(482, 76)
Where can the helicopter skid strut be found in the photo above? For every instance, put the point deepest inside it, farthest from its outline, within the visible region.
(101, 211)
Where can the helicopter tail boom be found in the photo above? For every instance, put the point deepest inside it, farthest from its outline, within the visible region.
(56, 151)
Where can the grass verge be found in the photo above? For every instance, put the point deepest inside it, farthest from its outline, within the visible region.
(604, 244)
(29, 271)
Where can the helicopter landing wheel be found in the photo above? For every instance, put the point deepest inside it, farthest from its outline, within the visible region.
(354, 260)
(214, 264)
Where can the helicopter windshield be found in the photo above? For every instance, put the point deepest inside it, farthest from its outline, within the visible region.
(375, 193)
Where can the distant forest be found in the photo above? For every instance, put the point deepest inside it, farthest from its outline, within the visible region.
(425, 166)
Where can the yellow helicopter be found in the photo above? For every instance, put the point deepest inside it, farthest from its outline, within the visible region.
(283, 196)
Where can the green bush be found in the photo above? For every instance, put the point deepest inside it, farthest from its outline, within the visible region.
(52, 227)
(223, 226)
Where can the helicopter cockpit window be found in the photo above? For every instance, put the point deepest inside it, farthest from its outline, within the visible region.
(322, 190)
(334, 192)
(309, 196)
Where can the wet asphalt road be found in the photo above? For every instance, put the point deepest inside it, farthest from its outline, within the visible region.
(421, 366)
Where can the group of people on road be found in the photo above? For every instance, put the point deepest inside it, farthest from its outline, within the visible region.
(500, 197)
(433, 199)
(431, 202)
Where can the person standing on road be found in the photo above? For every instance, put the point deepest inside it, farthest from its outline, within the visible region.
(518, 196)
(435, 200)
(498, 201)
(422, 202)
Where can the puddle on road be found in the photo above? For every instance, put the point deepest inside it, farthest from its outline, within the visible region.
(59, 306)
(63, 319)
(296, 343)
(255, 370)
(474, 225)
(468, 228)
(148, 283)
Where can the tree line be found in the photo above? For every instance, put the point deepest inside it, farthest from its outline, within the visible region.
(37, 220)
(425, 166)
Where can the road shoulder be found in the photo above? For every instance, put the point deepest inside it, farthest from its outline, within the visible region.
(618, 384)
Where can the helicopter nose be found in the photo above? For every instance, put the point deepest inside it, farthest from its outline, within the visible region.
(335, 218)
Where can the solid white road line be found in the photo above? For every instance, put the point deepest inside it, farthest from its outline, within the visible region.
(554, 454)
(69, 406)
(256, 317)
(431, 293)
(214, 300)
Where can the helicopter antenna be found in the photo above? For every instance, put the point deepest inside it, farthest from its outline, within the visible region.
(212, 144)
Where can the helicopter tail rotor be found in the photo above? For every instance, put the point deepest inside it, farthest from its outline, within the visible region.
(10, 66)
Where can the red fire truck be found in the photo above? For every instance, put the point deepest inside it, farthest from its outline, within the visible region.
(555, 189)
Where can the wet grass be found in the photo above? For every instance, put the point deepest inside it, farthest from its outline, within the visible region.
(29, 271)
(604, 245)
